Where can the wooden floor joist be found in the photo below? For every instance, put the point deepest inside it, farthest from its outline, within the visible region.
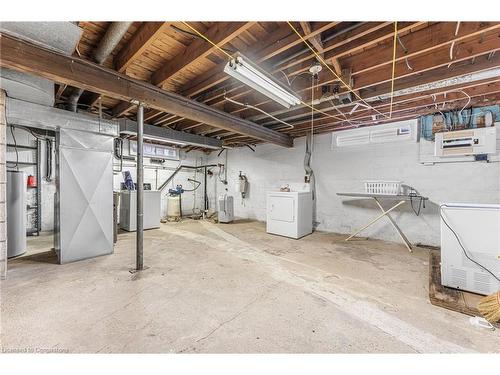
(427, 59)
(220, 34)
(172, 56)
(30, 58)
(373, 60)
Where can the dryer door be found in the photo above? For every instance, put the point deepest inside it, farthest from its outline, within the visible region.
(281, 208)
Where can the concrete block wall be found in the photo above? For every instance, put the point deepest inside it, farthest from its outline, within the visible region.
(3, 190)
(344, 170)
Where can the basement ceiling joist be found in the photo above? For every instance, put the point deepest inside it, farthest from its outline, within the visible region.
(220, 33)
(482, 38)
(24, 56)
(141, 40)
(485, 92)
(426, 53)
(364, 41)
(482, 63)
(279, 42)
(410, 100)
(368, 35)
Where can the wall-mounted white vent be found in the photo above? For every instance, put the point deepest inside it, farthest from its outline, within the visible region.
(387, 133)
(155, 151)
(359, 138)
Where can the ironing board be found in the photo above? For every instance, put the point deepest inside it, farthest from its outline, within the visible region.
(397, 199)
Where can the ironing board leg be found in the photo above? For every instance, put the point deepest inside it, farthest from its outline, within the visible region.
(393, 222)
(384, 213)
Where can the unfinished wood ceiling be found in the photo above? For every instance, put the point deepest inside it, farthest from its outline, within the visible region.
(173, 57)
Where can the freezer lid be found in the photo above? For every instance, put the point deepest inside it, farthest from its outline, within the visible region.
(470, 205)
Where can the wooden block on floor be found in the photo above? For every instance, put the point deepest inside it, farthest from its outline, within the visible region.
(452, 299)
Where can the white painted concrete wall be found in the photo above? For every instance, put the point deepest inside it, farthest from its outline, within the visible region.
(156, 175)
(344, 170)
(48, 188)
(153, 174)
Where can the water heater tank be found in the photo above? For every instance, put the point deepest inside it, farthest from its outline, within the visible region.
(174, 206)
(16, 213)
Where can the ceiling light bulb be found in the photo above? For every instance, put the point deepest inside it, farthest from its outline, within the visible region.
(315, 68)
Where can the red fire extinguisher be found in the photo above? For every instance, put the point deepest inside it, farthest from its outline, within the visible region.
(31, 181)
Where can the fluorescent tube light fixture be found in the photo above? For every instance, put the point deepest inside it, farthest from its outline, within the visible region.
(166, 140)
(243, 70)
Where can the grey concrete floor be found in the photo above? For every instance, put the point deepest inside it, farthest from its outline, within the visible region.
(232, 289)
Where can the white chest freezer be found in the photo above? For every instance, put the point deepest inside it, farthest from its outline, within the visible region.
(151, 209)
(289, 214)
(477, 226)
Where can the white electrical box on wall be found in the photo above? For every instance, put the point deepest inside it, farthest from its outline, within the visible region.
(466, 142)
(388, 133)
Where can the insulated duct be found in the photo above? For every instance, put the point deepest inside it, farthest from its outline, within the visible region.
(108, 43)
(59, 36)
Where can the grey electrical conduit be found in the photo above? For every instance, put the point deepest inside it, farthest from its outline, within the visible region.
(48, 150)
(178, 169)
(307, 157)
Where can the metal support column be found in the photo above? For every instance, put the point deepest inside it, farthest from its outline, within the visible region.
(140, 189)
(205, 197)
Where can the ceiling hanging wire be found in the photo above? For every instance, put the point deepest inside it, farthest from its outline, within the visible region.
(356, 122)
(463, 92)
(258, 109)
(405, 50)
(342, 113)
(453, 44)
(286, 77)
(230, 57)
(393, 65)
(298, 75)
(349, 88)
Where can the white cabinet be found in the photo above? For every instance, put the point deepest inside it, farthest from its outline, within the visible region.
(289, 214)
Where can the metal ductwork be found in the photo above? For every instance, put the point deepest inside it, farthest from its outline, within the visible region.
(108, 43)
(59, 36)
